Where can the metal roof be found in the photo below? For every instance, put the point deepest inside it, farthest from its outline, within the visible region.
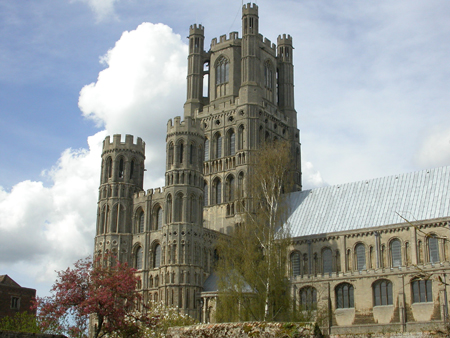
(417, 196)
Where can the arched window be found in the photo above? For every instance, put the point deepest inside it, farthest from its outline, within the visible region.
(327, 261)
(268, 76)
(191, 153)
(206, 150)
(240, 144)
(344, 296)
(180, 152)
(121, 167)
(382, 292)
(138, 258)
(222, 69)
(433, 249)
(217, 191)
(308, 298)
(157, 259)
(360, 252)
(170, 153)
(396, 253)
(141, 220)
(159, 220)
(109, 167)
(230, 188)
(231, 143)
(179, 208)
(205, 193)
(132, 169)
(169, 209)
(422, 290)
(218, 145)
(240, 189)
(295, 263)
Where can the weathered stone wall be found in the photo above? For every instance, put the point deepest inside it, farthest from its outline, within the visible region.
(242, 330)
(12, 334)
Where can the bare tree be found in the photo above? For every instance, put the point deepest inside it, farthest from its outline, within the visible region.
(252, 264)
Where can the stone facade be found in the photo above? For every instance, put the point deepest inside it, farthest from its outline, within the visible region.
(14, 298)
(363, 279)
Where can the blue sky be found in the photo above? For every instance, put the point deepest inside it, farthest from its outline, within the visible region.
(372, 94)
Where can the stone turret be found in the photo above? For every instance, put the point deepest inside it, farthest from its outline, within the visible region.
(122, 176)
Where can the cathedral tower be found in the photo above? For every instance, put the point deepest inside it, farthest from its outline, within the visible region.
(122, 176)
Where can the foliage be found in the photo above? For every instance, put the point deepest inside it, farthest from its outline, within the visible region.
(252, 265)
(20, 322)
(154, 321)
(105, 290)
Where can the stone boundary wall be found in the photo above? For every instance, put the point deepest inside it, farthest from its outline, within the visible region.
(391, 335)
(242, 330)
(12, 334)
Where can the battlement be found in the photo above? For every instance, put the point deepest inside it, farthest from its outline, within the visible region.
(196, 29)
(188, 125)
(223, 39)
(129, 144)
(249, 9)
(284, 40)
(268, 43)
(153, 194)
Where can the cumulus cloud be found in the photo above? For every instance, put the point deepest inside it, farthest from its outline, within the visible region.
(51, 227)
(103, 9)
(47, 228)
(141, 88)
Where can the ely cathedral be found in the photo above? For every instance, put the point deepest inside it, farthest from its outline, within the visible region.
(359, 250)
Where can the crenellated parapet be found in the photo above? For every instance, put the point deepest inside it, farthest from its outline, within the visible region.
(196, 30)
(189, 126)
(250, 9)
(233, 38)
(129, 145)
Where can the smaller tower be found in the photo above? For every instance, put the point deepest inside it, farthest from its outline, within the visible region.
(183, 227)
(196, 59)
(122, 175)
(286, 78)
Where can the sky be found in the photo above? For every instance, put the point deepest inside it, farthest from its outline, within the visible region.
(372, 85)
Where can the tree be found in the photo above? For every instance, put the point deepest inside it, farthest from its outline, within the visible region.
(252, 265)
(20, 322)
(104, 291)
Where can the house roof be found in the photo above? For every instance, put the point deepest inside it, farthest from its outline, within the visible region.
(415, 196)
(8, 281)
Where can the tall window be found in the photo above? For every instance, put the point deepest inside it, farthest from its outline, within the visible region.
(268, 76)
(169, 209)
(295, 264)
(327, 261)
(308, 298)
(241, 185)
(109, 167)
(205, 193)
(141, 221)
(179, 208)
(231, 143)
(217, 191)
(382, 292)
(132, 169)
(206, 150)
(344, 296)
(230, 188)
(194, 208)
(433, 249)
(218, 145)
(360, 251)
(222, 69)
(422, 290)
(170, 153)
(138, 262)
(121, 168)
(240, 145)
(181, 152)
(396, 253)
(157, 258)
(191, 153)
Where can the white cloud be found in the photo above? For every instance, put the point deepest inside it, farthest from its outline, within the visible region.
(103, 9)
(48, 228)
(311, 178)
(435, 148)
(143, 86)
